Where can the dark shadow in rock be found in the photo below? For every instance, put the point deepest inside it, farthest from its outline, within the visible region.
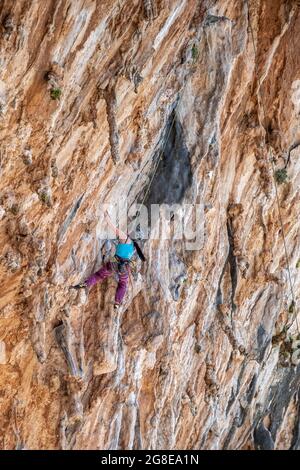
(174, 174)
(63, 228)
(263, 342)
(295, 445)
(262, 438)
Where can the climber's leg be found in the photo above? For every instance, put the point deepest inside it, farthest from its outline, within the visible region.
(100, 275)
(122, 287)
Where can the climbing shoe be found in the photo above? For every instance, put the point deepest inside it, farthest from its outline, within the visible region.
(79, 286)
(117, 306)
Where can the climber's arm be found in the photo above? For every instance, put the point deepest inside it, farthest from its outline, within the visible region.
(120, 234)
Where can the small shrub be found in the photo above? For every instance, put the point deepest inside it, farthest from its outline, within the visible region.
(298, 264)
(45, 196)
(55, 93)
(292, 307)
(15, 209)
(281, 176)
(195, 52)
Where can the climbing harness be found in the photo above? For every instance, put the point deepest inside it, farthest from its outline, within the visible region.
(271, 160)
(121, 264)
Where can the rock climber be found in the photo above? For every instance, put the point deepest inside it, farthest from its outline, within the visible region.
(125, 250)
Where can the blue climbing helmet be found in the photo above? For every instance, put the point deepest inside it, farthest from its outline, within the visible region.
(126, 250)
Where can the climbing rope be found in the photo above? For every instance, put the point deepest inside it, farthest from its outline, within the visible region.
(271, 160)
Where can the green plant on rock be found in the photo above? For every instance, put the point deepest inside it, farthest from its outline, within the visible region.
(292, 307)
(15, 209)
(45, 196)
(55, 93)
(281, 176)
(298, 264)
(195, 52)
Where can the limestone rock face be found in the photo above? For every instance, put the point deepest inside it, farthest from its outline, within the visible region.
(96, 98)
